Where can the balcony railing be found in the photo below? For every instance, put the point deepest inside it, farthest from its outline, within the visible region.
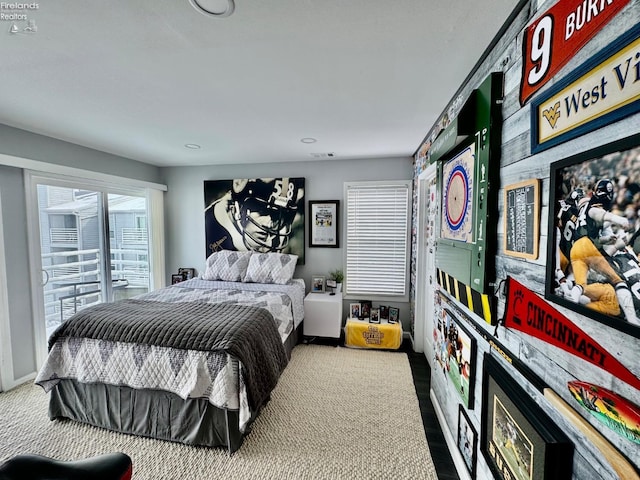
(73, 279)
(63, 236)
(134, 236)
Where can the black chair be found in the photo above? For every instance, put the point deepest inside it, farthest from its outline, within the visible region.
(111, 466)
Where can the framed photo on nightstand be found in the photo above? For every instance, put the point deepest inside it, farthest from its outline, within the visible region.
(317, 284)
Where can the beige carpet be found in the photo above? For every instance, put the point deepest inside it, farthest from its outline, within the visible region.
(337, 413)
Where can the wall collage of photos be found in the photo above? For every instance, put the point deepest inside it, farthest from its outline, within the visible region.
(534, 369)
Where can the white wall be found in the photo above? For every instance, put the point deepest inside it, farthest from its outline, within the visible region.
(184, 205)
(21, 143)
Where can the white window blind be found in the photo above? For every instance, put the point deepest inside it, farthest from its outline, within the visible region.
(377, 231)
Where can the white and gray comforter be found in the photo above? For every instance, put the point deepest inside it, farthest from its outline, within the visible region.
(215, 375)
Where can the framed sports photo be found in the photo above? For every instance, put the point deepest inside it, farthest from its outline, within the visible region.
(460, 359)
(354, 310)
(324, 227)
(594, 242)
(317, 284)
(374, 315)
(518, 440)
(365, 309)
(187, 273)
(467, 441)
(394, 315)
(384, 312)
(522, 219)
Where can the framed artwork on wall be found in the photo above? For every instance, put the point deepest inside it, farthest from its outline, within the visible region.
(255, 214)
(467, 441)
(324, 226)
(522, 219)
(593, 247)
(460, 360)
(518, 440)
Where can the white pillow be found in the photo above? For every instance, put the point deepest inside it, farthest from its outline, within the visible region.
(227, 265)
(271, 268)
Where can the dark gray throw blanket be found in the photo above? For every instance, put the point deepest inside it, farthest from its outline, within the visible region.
(248, 333)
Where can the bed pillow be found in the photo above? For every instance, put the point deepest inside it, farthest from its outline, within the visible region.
(227, 265)
(271, 268)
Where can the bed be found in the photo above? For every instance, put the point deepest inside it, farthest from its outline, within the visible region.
(193, 362)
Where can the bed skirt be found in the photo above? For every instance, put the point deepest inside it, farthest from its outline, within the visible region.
(152, 413)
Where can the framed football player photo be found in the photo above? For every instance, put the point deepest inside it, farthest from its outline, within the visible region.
(594, 235)
(518, 439)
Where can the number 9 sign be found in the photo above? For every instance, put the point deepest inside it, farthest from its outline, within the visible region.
(552, 40)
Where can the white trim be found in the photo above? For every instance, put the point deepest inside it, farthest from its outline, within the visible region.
(155, 222)
(6, 358)
(35, 267)
(458, 461)
(421, 326)
(32, 178)
(19, 381)
(55, 169)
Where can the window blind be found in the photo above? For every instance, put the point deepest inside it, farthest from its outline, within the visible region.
(377, 243)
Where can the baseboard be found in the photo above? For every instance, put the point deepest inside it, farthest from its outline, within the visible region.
(16, 382)
(452, 443)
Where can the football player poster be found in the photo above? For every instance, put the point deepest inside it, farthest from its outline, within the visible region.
(593, 263)
(256, 214)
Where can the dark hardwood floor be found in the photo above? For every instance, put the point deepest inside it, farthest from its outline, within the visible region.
(437, 444)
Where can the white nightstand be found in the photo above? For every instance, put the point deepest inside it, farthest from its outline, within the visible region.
(322, 315)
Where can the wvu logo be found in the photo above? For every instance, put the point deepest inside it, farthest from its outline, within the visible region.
(552, 114)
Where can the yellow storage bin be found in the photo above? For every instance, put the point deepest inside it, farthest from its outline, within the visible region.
(361, 333)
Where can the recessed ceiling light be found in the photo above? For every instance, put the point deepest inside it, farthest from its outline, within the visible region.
(214, 8)
(308, 140)
(192, 146)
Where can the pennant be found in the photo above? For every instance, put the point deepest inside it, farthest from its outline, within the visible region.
(527, 312)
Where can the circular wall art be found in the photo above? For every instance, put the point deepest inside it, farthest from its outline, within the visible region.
(457, 196)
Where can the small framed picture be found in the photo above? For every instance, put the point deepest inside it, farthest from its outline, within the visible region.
(365, 309)
(394, 315)
(374, 315)
(187, 273)
(176, 278)
(467, 440)
(324, 223)
(384, 312)
(354, 310)
(317, 284)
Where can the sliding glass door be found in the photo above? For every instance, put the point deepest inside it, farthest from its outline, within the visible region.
(93, 248)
